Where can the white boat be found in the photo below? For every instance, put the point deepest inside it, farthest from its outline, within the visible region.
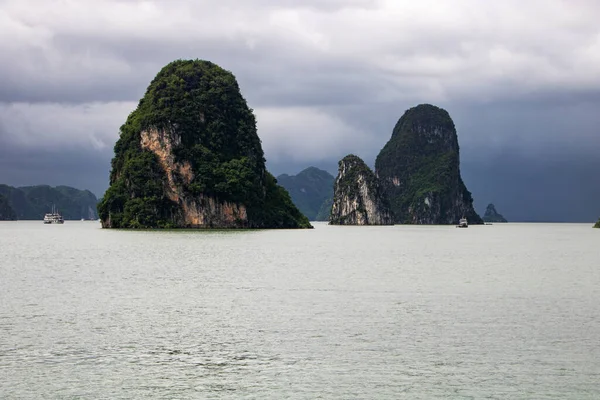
(462, 223)
(54, 217)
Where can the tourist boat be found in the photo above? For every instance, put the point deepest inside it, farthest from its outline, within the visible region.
(462, 223)
(54, 217)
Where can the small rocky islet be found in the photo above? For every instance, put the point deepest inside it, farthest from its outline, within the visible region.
(491, 215)
(357, 196)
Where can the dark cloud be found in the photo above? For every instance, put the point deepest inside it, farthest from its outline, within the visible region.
(326, 78)
(558, 188)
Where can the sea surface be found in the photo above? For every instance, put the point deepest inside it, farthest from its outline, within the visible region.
(507, 311)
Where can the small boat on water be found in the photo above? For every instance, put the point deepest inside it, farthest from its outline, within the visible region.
(54, 217)
(462, 223)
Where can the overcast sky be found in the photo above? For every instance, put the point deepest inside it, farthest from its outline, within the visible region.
(521, 80)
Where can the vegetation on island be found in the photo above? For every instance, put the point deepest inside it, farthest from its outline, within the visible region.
(311, 191)
(199, 104)
(32, 202)
(597, 225)
(419, 169)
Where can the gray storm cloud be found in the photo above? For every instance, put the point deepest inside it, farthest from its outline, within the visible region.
(326, 78)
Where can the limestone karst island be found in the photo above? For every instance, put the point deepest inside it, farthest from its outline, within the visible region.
(357, 196)
(419, 170)
(189, 156)
(416, 173)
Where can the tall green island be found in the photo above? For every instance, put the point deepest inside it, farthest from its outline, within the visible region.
(189, 156)
(419, 169)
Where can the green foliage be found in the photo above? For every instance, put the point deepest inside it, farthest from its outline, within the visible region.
(136, 199)
(597, 225)
(32, 202)
(422, 119)
(199, 106)
(203, 103)
(6, 211)
(277, 210)
(310, 190)
(146, 213)
(420, 163)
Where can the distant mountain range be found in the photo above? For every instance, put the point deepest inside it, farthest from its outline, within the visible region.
(6, 211)
(311, 191)
(32, 202)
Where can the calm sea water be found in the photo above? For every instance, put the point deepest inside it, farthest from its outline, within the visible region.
(418, 312)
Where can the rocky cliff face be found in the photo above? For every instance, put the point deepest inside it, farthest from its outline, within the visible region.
(6, 211)
(199, 210)
(357, 196)
(491, 215)
(419, 170)
(189, 157)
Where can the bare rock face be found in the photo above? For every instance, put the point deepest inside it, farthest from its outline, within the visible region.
(189, 156)
(419, 170)
(357, 196)
(196, 211)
